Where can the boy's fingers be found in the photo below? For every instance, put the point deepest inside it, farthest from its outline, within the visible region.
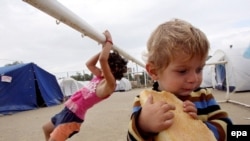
(149, 100)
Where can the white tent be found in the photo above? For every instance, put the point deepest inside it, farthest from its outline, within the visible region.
(69, 86)
(123, 85)
(207, 76)
(228, 69)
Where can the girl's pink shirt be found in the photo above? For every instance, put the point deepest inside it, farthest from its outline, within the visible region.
(84, 99)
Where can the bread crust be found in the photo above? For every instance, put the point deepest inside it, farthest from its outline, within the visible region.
(184, 128)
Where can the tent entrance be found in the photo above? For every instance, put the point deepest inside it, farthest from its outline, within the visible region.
(39, 99)
(221, 66)
(221, 79)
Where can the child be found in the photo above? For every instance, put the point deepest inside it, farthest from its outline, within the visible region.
(177, 52)
(66, 123)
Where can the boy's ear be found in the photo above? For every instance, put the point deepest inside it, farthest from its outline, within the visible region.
(152, 71)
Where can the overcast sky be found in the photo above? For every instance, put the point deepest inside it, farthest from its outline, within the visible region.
(29, 35)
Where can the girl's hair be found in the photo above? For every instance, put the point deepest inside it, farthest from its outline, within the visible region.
(117, 64)
(174, 38)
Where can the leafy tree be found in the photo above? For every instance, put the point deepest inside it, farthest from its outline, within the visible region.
(14, 63)
(130, 77)
(88, 77)
(80, 77)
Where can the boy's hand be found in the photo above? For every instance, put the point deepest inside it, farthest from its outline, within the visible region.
(155, 117)
(190, 108)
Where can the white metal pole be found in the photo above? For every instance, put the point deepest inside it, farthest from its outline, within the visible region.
(62, 14)
(227, 81)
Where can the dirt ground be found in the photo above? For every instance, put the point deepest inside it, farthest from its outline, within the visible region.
(106, 121)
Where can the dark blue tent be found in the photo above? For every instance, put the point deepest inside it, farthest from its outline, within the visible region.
(27, 86)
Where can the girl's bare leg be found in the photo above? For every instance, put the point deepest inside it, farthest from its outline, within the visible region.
(47, 129)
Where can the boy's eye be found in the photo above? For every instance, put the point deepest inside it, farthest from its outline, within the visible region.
(199, 70)
(182, 71)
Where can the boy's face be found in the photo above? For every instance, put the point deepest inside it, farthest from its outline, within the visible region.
(181, 77)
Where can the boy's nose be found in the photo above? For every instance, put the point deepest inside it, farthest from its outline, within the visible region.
(193, 77)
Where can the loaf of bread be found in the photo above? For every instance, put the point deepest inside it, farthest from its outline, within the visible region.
(184, 127)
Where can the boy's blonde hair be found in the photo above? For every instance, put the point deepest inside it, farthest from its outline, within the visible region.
(174, 38)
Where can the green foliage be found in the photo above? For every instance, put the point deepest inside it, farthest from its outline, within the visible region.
(14, 63)
(80, 77)
(130, 77)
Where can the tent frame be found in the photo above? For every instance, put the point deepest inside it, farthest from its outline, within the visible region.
(227, 97)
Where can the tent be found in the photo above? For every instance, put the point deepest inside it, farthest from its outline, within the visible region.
(69, 86)
(229, 70)
(207, 77)
(26, 87)
(123, 85)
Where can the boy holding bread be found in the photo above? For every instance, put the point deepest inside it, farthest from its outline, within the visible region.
(176, 54)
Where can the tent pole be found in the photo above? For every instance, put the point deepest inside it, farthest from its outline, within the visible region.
(228, 92)
(227, 81)
(239, 103)
(145, 79)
